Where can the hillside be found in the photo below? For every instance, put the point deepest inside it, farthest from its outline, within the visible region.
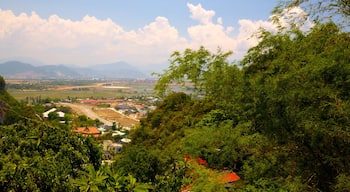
(11, 110)
(4, 95)
(21, 70)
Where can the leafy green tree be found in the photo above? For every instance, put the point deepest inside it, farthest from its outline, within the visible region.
(206, 72)
(3, 111)
(140, 163)
(38, 157)
(52, 116)
(91, 180)
(2, 84)
(297, 86)
(103, 179)
(337, 11)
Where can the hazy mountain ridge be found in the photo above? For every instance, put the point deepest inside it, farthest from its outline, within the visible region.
(22, 70)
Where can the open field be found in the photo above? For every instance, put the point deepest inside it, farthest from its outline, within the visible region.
(105, 115)
(53, 89)
(81, 109)
(112, 115)
(65, 89)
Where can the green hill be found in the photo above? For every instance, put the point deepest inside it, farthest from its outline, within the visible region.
(10, 109)
(4, 95)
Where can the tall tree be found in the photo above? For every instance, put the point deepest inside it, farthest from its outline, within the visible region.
(337, 11)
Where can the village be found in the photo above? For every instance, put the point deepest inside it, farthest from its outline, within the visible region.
(115, 119)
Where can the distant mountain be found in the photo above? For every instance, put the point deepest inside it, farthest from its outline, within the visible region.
(13, 67)
(30, 60)
(58, 71)
(21, 70)
(117, 70)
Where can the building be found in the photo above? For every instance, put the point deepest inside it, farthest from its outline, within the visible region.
(110, 146)
(88, 131)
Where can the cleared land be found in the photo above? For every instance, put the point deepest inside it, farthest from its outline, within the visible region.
(114, 116)
(81, 109)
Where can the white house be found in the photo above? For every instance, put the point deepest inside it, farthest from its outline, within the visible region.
(46, 113)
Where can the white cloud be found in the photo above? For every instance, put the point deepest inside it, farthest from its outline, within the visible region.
(89, 41)
(213, 35)
(92, 41)
(200, 14)
(219, 20)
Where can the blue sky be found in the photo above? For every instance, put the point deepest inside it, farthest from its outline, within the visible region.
(134, 14)
(86, 32)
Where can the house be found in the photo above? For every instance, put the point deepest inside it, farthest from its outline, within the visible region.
(118, 133)
(46, 113)
(110, 146)
(224, 177)
(88, 131)
(60, 114)
(125, 140)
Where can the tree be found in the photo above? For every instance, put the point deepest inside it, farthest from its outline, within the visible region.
(103, 179)
(204, 71)
(35, 156)
(3, 111)
(53, 116)
(140, 163)
(91, 180)
(2, 84)
(337, 11)
(297, 86)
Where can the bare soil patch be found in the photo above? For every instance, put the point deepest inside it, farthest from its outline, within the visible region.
(114, 116)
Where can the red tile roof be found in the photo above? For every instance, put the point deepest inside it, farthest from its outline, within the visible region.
(230, 177)
(93, 131)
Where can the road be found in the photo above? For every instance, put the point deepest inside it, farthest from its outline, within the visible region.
(83, 109)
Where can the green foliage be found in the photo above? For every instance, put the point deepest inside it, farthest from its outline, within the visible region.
(337, 11)
(343, 182)
(35, 156)
(2, 84)
(281, 121)
(11, 111)
(173, 178)
(205, 71)
(167, 123)
(144, 167)
(104, 179)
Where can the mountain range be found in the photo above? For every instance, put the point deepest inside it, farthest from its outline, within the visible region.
(117, 70)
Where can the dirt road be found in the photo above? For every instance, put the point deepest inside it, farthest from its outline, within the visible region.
(86, 110)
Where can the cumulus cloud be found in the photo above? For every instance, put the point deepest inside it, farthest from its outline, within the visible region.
(200, 14)
(89, 41)
(213, 35)
(92, 41)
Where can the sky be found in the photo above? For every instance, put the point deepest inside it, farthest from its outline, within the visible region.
(141, 33)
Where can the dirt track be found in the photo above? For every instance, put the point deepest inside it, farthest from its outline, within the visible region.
(86, 110)
(105, 115)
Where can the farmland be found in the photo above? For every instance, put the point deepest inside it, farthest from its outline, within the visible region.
(24, 90)
(75, 94)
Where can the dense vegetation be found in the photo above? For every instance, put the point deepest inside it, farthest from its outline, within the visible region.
(280, 119)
